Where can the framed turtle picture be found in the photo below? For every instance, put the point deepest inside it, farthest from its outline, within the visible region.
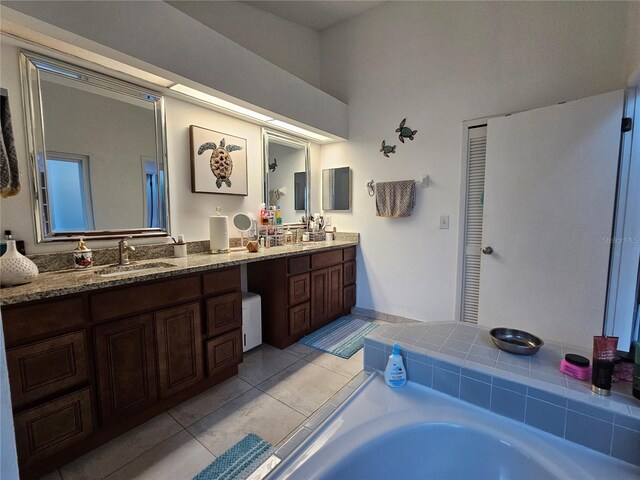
(218, 162)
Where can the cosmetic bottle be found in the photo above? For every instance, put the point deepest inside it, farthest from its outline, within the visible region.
(604, 357)
(278, 216)
(395, 374)
(575, 366)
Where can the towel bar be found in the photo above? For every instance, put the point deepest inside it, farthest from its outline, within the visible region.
(421, 182)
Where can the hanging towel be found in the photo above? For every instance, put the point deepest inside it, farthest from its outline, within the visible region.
(9, 173)
(395, 199)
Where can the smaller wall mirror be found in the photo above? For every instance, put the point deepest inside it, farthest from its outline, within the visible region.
(286, 175)
(97, 151)
(336, 189)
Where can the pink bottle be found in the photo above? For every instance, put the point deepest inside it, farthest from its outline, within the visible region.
(576, 366)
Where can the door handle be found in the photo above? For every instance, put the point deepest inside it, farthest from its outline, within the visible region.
(487, 250)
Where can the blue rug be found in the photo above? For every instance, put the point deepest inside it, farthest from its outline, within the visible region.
(239, 461)
(341, 338)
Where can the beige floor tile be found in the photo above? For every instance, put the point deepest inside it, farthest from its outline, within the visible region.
(348, 368)
(202, 405)
(55, 475)
(252, 412)
(299, 350)
(304, 386)
(111, 456)
(179, 457)
(264, 362)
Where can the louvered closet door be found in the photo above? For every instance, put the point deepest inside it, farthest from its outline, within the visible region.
(476, 157)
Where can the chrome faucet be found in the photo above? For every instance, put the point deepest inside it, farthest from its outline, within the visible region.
(124, 249)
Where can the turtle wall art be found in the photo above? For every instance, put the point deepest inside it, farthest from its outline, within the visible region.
(387, 149)
(405, 132)
(218, 162)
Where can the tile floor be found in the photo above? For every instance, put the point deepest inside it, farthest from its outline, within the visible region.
(275, 393)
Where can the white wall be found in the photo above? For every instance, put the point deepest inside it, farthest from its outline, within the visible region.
(632, 44)
(159, 35)
(438, 64)
(290, 46)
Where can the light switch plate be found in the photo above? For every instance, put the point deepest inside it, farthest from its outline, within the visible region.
(444, 222)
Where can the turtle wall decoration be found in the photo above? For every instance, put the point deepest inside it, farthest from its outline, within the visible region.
(387, 149)
(405, 132)
(212, 173)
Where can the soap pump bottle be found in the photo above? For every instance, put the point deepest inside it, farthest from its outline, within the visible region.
(395, 374)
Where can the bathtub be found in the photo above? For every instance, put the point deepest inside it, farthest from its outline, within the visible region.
(415, 432)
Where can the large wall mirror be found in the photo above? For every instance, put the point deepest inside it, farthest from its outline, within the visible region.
(97, 152)
(286, 175)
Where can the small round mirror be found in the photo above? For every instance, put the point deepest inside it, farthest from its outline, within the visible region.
(242, 222)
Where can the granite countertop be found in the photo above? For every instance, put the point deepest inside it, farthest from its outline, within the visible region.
(55, 284)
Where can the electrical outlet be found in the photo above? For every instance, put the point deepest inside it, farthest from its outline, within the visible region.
(444, 222)
(327, 220)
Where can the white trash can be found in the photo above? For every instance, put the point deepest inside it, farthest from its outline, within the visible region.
(251, 321)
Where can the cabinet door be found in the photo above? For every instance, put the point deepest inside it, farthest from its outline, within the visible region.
(299, 289)
(224, 313)
(335, 291)
(349, 272)
(349, 297)
(179, 345)
(126, 367)
(319, 298)
(299, 320)
(224, 351)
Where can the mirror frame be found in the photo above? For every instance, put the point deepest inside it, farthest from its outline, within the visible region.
(287, 140)
(32, 96)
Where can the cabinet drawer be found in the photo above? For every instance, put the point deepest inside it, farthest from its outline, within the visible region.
(349, 253)
(52, 427)
(24, 322)
(299, 289)
(298, 265)
(224, 351)
(132, 300)
(46, 367)
(224, 313)
(221, 281)
(325, 259)
(299, 320)
(349, 273)
(349, 297)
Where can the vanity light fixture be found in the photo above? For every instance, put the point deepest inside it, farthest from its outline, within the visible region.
(218, 102)
(298, 130)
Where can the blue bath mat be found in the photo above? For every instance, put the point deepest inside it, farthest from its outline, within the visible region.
(341, 338)
(239, 461)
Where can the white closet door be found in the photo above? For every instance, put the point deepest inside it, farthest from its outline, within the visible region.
(476, 157)
(550, 185)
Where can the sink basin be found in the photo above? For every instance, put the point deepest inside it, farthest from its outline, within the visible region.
(117, 270)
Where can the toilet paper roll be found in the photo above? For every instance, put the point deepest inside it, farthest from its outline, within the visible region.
(218, 234)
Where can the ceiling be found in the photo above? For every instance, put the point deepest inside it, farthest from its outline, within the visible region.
(316, 15)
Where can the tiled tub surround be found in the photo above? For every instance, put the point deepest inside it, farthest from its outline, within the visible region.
(53, 284)
(461, 360)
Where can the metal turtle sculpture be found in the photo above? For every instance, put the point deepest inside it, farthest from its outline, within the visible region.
(387, 149)
(221, 163)
(405, 132)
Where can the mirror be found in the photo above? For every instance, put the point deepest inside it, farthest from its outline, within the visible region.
(97, 151)
(336, 189)
(286, 175)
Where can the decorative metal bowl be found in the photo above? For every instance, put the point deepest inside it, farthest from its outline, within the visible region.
(515, 341)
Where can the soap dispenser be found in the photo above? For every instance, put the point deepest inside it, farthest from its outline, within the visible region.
(82, 256)
(395, 374)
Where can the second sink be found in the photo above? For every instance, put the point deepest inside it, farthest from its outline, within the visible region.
(117, 270)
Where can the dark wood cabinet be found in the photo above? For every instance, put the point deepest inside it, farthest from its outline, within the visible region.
(224, 351)
(43, 368)
(179, 348)
(126, 367)
(301, 294)
(50, 428)
(224, 313)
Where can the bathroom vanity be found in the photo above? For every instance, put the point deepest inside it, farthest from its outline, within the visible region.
(90, 356)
